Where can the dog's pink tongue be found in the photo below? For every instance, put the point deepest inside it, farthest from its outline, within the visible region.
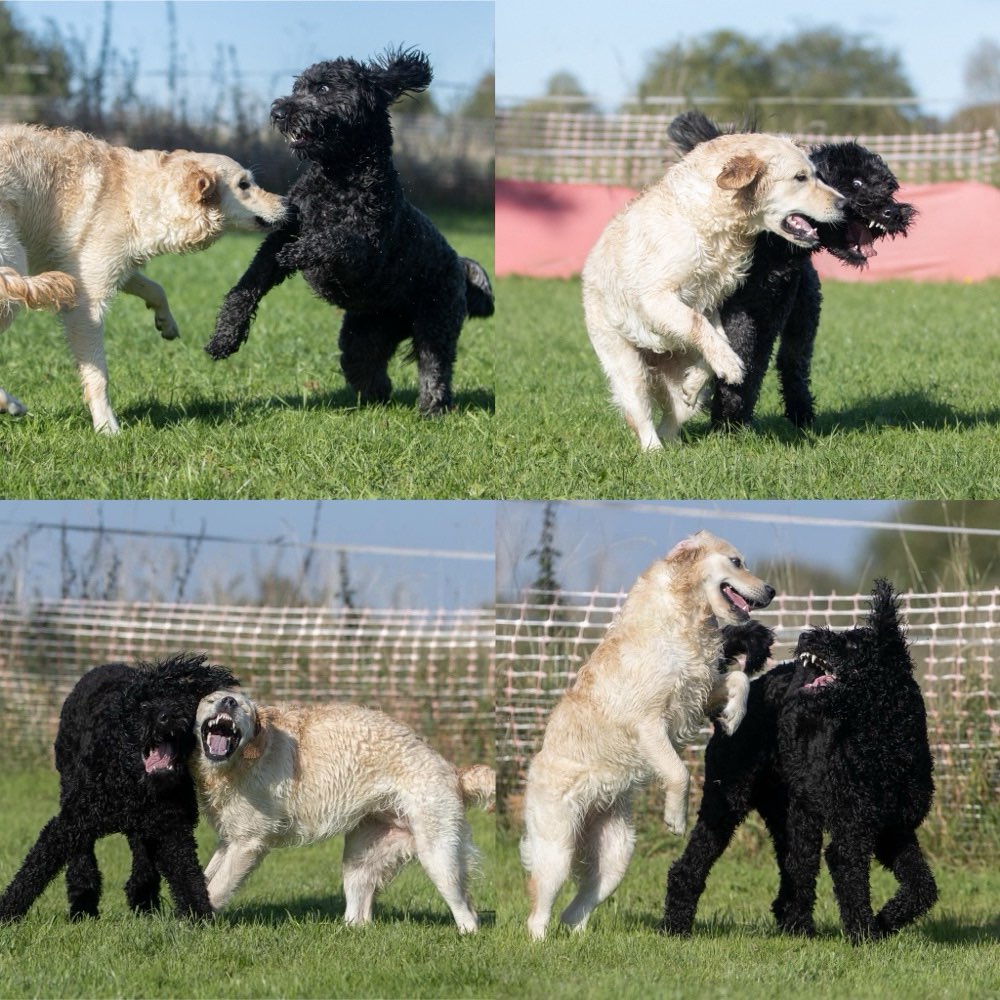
(158, 758)
(736, 599)
(859, 239)
(217, 744)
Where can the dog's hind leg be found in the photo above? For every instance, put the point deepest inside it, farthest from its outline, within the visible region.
(435, 345)
(44, 861)
(374, 851)
(442, 846)
(795, 350)
(900, 852)
(83, 881)
(156, 299)
(547, 850)
(143, 887)
(606, 844)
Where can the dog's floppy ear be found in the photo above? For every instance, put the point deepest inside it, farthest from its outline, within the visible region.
(201, 185)
(254, 750)
(686, 550)
(399, 71)
(742, 173)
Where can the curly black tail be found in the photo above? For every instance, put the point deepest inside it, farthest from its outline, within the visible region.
(478, 290)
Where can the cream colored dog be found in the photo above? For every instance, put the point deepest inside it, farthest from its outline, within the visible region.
(639, 699)
(79, 217)
(281, 776)
(654, 281)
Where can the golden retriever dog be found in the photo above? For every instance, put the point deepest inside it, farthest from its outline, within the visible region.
(79, 217)
(655, 279)
(280, 776)
(639, 699)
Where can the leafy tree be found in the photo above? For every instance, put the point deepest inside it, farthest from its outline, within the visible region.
(925, 561)
(30, 67)
(562, 85)
(481, 103)
(735, 72)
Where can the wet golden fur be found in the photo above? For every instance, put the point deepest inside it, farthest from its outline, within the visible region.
(639, 699)
(299, 775)
(79, 217)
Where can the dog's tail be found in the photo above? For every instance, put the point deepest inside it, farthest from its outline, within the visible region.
(37, 291)
(478, 290)
(479, 785)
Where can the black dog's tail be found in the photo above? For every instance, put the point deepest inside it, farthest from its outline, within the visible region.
(478, 290)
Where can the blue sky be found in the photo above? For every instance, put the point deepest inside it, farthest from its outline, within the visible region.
(382, 579)
(605, 45)
(276, 41)
(606, 545)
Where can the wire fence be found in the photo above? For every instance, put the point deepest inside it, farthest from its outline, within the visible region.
(631, 150)
(541, 644)
(433, 669)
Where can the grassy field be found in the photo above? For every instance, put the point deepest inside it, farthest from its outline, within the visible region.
(283, 935)
(907, 406)
(275, 420)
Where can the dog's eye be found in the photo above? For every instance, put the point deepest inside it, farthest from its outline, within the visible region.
(323, 88)
(858, 182)
(244, 185)
(802, 176)
(736, 561)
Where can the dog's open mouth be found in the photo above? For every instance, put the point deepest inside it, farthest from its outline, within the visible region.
(160, 758)
(860, 236)
(825, 678)
(220, 736)
(801, 229)
(736, 600)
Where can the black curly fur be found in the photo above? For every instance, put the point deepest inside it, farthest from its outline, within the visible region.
(780, 299)
(109, 782)
(847, 755)
(357, 240)
(752, 640)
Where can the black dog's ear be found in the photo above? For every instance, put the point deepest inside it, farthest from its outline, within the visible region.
(400, 71)
(884, 621)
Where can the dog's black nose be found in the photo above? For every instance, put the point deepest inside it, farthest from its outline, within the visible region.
(227, 704)
(840, 204)
(770, 591)
(278, 112)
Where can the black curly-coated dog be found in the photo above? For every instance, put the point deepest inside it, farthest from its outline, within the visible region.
(834, 740)
(780, 299)
(357, 240)
(121, 751)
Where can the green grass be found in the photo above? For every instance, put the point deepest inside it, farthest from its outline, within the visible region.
(906, 400)
(283, 934)
(274, 420)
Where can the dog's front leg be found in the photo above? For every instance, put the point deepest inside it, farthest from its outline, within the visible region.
(228, 872)
(156, 299)
(661, 757)
(681, 325)
(85, 335)
(268, 268)
(730, 691)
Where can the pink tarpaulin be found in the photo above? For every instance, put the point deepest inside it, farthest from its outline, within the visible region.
(546, 230)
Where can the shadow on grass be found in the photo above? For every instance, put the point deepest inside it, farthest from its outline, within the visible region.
(160, 414)
(327, 909)
(903, 410)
